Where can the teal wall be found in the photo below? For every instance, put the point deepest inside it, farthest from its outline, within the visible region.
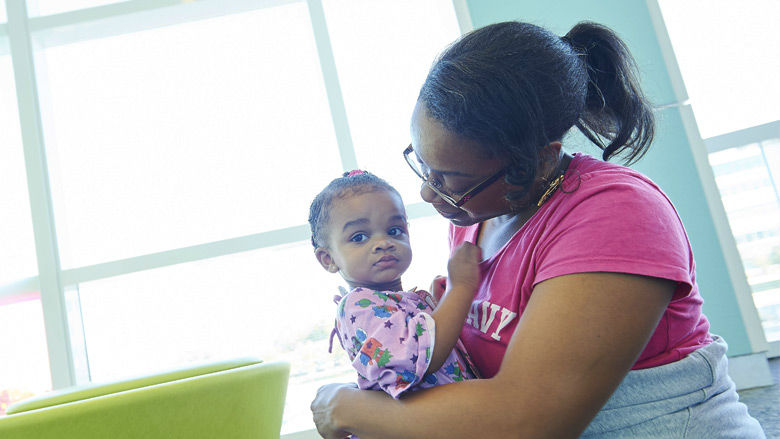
(670, 161)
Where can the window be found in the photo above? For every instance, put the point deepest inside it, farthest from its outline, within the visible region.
(17, 251)
(747, 179)
(727, 55)
(49, 7)
(24, 370)
(381, 70)
(197, 132)
(183, 144)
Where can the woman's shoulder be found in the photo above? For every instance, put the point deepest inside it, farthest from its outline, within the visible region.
(599, 182)
(609, 203)
(589, 168)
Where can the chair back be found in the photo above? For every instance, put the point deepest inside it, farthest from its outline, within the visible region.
(235, 399)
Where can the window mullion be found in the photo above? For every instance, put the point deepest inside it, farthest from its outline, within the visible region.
(464, 17)
(52, 294)
(330, 76)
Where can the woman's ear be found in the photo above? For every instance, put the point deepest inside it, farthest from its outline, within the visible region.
(549, 157)
(326, 260)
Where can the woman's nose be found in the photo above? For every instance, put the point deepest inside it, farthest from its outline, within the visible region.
(427, 194)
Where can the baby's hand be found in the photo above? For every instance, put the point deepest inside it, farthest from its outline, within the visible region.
(438, 286)
(463, 267)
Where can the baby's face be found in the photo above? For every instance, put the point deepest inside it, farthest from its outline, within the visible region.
(368, 239)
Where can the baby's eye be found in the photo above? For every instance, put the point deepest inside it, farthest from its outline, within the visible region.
(358, 237)
(395, 231)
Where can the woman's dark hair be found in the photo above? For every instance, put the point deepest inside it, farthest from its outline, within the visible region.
(515, 87)
(349, 184)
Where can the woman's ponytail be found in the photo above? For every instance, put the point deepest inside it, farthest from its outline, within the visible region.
(515, 87)
(616, 111)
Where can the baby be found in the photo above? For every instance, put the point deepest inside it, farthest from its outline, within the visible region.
(397, 340)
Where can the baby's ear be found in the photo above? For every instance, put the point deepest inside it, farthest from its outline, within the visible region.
(325, 259)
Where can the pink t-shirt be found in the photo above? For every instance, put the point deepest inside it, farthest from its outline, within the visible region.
(604, 218)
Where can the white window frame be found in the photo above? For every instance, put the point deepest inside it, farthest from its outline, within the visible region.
(62, 318)
(735, 139)
(700, 148)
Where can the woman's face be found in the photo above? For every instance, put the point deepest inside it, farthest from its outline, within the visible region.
(457, 164)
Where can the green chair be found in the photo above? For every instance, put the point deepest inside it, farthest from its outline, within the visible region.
(241, 398)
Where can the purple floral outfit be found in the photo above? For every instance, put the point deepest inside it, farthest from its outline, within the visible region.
(389, 337)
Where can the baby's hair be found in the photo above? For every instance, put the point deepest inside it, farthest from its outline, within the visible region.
(350, 183)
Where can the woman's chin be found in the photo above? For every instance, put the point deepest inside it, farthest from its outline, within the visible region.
(463, 221)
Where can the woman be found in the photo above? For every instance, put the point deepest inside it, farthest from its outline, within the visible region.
(588, 318)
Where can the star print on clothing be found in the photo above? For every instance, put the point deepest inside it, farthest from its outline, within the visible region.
(388, 337)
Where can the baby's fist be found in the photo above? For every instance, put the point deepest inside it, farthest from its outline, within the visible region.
(463, 267)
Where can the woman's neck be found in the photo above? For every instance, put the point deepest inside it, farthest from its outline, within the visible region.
(497, 231)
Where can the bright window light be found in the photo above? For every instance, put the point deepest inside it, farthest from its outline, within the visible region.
(17, 246)
(24, 369)
(163, 135)
(748, 179)
(383, 51)
(186, 134)
(727, 52)
(49, 7)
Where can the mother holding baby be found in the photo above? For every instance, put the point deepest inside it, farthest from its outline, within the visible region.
(588, 318)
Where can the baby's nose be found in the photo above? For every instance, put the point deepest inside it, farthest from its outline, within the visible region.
(383, 244)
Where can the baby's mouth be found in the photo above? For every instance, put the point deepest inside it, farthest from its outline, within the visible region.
(386, 260)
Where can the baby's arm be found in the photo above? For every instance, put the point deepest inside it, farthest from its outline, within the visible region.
(450, 314)
(388, 338)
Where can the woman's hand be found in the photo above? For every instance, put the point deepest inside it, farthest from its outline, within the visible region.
(323, 408)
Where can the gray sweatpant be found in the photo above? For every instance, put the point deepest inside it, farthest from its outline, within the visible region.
(690, 398)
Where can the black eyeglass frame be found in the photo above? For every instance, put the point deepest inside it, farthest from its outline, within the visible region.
(469, 194)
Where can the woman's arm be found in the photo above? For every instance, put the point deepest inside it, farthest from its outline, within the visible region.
(577, 339)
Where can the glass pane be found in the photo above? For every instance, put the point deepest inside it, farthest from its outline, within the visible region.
(186, 134)
(49, 7)
(731, 74)
(747, 178)
(430, 251)
(3, 16)
(24, 369)
(383, 51)
(17, 251)
(274, 303)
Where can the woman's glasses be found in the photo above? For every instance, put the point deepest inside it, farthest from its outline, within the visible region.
(435, 186)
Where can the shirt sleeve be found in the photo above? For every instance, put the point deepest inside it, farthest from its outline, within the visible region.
(389, 337)
(626, 226)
